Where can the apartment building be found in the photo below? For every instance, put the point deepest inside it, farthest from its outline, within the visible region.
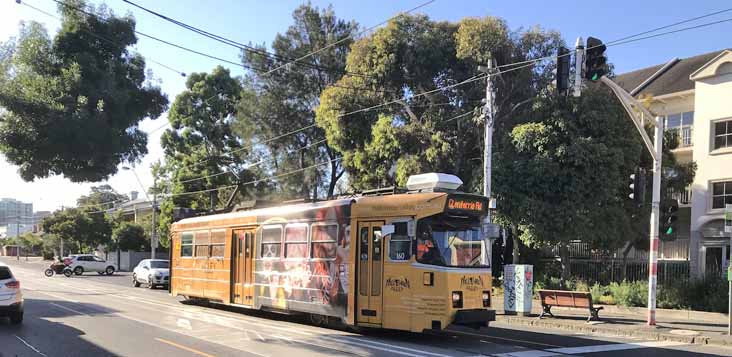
(694, 95)
(15, 216)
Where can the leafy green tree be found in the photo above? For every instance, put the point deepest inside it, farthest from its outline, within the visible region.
(128, 236)
(201, 150)
(87, 230)
(284, 101)
(100, 198)
(72, 104)
(562, 175)
(413, 134)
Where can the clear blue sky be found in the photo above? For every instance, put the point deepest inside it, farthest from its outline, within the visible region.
(258, 21)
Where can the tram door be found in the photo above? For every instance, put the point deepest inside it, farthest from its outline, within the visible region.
(243, 264)
(370, 272)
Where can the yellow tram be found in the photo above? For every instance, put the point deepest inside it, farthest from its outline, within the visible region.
(414, 261)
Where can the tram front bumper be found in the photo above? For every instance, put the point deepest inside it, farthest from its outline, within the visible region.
(474, 317)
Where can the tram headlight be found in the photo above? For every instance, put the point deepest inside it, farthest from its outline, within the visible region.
(486, 298)
(457, 299)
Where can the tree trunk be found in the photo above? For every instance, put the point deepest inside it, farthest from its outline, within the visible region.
(516, 242)
(626, 251)
(334, 174)
(565, 260)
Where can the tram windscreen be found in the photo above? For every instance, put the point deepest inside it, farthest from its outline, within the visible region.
(453, 242)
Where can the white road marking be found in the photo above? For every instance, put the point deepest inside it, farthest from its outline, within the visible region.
(183, 323)
(529, 353)
(213, 316)
(30, 346)
(392, 346)
(68, 308)
(258, 335)
(615, 347)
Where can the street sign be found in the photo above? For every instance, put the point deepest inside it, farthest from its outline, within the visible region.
(729, 273)
(492, 230)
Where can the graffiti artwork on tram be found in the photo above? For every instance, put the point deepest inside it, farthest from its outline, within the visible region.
(315, 272)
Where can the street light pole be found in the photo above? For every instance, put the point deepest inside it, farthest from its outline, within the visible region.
(638, 113)
(154, 235)
(153, 241)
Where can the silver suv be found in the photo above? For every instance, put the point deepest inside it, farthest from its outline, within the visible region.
(11, 298)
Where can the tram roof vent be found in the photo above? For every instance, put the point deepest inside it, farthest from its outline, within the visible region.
(433, 181)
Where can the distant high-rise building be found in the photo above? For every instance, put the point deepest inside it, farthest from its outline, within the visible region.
(17, 216)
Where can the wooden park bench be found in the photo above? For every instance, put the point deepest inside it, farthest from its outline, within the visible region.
(562, 298)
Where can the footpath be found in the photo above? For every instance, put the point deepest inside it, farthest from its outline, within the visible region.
(694, 327)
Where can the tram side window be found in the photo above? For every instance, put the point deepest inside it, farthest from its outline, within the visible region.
(324, 237)
(296, 241)
(218, 244)
(271, 242)
(186, 245)
(400, 245)
(202, 244)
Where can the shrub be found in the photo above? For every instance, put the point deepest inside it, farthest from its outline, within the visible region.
(580, 285)
(599, 292)
(629, 293)
(706, 294)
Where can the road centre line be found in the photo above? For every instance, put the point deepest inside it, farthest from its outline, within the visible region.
(362, 343)
(233, 327)
(183, 347)
(30, 346)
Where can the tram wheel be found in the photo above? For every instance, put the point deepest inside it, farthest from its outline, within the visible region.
(318, 320)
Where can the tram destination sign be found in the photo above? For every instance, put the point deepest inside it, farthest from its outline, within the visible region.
(464, 204)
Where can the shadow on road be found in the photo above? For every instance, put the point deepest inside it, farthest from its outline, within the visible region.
(49, 337)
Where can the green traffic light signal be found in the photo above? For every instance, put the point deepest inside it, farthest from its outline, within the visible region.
(594, 77)
(670, 231)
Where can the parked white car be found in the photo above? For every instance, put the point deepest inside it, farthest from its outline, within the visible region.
(152, 272)
(80, 263)
(11, 298)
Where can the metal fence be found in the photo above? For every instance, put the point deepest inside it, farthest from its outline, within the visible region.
(674, 250)
(605, 272)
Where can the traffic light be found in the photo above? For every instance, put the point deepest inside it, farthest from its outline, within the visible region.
(637, 186)
(668, 219)
(595, 60)
(562, 70)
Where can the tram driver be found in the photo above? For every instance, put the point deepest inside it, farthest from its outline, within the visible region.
(427, 252)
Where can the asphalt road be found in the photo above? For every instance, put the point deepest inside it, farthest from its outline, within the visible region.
(93, 315)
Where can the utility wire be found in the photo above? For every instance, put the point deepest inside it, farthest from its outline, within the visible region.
(181, 47)
(350, 36)
(254, 164)
(233, 43)
(521, 65)
(105, 39)
(257, 180)
(516, 66)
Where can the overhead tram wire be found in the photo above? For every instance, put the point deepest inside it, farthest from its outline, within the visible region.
(170, 68)
(515, 66)
(240, 184)
(254, 164)
(523, 64)
(234, 43)
(184, 48)
(633, 38)
(350, 36)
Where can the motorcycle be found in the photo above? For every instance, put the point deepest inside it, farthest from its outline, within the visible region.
(56, 268)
